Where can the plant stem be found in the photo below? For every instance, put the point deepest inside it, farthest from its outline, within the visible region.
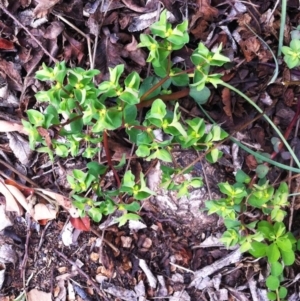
(282, 26)
(166, 97)
(160, 83)
(266, 117)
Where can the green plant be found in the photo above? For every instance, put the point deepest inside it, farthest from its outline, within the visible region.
(263, 235)
(79, 116)
(292, 53)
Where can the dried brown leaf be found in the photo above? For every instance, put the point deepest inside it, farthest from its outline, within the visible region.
(54, 30)
(6, 45)
(251, 162)
(8, 126)
(108, 54)
(136, 54)
(20, 147)
(43, 212)
(10, 202)
(250, 48)
(61, 201)
(75, 49)
(18, 195)
(226, 99)
(12, 75)
(43, 7)
(35, 295)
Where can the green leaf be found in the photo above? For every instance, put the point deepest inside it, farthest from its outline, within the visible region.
(213, 156)
(45, 74)
(61, 150)
(273, 253)
(272, 282)
(265, 228)
(288, 257)
(129, 114)
(158, 111)
(271, 296)
(258, 249)
(242, 177)
(230, 238)
(180, 80)
(229, 223)
(282, 292)
(35, 117)
(202, 96)
(115, 74)
(132, 80)
(161, 154)
(262, 170)
(126, 217)
(147, 84)
(133, 207)
(127, 182)
(95, 214)
(96, 169)
(76, 125)
(142, 151)
(279, 229)
(276, 268)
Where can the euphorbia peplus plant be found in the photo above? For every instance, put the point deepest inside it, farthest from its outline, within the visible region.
(81, 116)
(254, 218)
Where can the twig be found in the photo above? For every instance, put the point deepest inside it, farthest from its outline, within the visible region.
(29, 33)
(25, 258)
(88, 39)
(93, 284)
(43, 236)
(115, 249)
(18, 173)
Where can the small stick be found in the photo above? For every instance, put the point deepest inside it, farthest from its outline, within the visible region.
(29, 33)
(96, 288)
(25, 258)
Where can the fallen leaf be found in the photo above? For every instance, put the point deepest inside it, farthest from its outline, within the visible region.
(74, 50)
(61, 201)
(226, 99)
(81, 223)
(19, 196)
(251, 162)
(43, 7)
(54, 30)
(12, 75)
(43, 212)
(4, 220)
(27, 191)
(8, 126)
(10, 202)
(6, 45)
(36, 295)
(20, 147)
(136, 53)
(250, 48)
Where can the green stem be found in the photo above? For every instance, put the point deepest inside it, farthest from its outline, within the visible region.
(282, 26)
(266, 117)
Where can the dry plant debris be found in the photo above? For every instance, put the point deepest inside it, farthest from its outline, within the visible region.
(48, 252)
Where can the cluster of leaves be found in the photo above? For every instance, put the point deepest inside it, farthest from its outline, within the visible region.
(78, 115)
(292, 53)
(265, 238)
